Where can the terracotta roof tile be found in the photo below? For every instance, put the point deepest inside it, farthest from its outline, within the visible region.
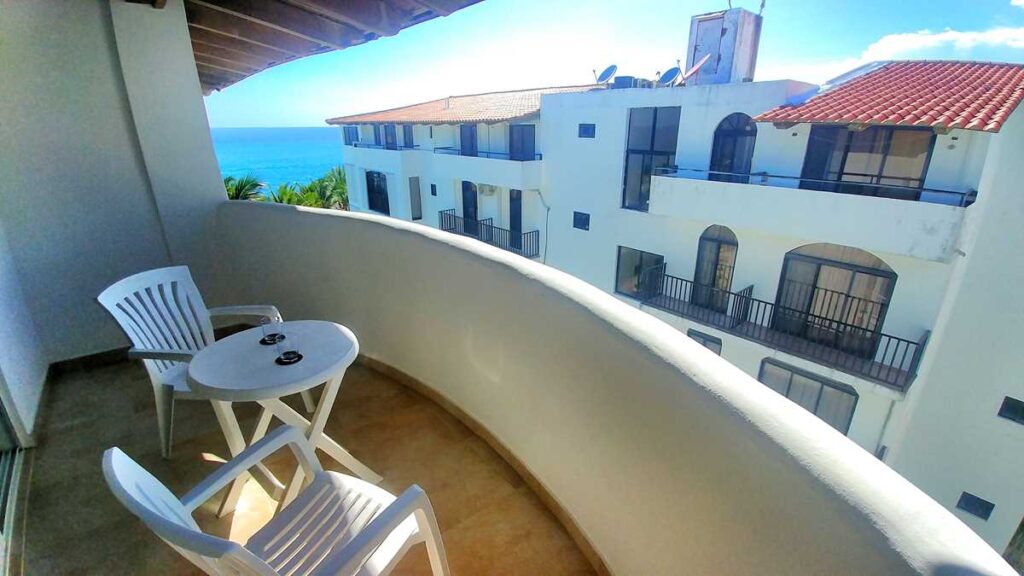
(939, 94)
(483, 108)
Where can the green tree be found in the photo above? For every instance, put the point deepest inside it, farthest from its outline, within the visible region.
(245, 188)
(328, 191)
(287, 194)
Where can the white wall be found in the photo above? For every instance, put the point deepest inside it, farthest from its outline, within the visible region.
(163, 89)
(953, 441)
(665, 455)
(917, 229)
(23, 364)
(77, 208)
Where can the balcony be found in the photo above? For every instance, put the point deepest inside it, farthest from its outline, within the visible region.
(495, 168)
(393, 160)
(451, 150)
(556, 429)
(525, 244)
(876, 218)
(856, 350)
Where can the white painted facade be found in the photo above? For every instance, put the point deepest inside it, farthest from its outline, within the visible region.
(921, 241)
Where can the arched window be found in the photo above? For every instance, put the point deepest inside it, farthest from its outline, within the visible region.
(733, 149)
(835, 295)
(716, 258)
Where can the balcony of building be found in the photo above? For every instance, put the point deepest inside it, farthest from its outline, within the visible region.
(916, 222)
(827, 334)
(396, 159)
(518, 171)
(523, 243)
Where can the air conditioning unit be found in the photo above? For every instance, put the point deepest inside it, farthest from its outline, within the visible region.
(487, 189)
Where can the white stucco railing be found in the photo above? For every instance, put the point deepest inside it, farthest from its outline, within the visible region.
(925, 230)
(669, 459)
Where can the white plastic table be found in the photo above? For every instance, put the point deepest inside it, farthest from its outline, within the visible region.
(240, 369)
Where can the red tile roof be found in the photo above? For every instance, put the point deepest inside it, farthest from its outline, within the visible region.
(938, 94)
(473, 108)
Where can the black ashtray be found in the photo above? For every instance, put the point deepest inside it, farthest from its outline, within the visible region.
(288, 358)
(271, 339)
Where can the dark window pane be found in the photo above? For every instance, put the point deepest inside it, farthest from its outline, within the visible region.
(1012, 409)
(407, 139)
(581, 220)
(641, 128)
(415, 201)
(666, 130)
(977, 506)
(631, 197)
(433, 189)
(836, 408)
(831, 401)
(522, 144)
(467, 139)
(824, 156)
(377, 192)
(634, 276)
(390, 137)
(775, 377)
(587, 130)
(707, 341)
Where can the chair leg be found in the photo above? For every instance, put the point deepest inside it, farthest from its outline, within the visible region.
(165, 417)
(432, 538)
(307, 399)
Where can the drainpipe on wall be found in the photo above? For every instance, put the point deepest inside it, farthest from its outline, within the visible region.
(547, 218)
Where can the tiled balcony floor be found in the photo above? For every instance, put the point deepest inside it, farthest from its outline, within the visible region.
(492, 523)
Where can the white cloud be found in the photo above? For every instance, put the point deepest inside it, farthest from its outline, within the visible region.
(902, 45)
(1019, 3)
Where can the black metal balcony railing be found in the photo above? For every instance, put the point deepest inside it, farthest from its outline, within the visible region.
(526, 244)
(453, 151)
(930, 195)
(854, 349)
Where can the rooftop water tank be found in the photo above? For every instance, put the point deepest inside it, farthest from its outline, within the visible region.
(730, 37)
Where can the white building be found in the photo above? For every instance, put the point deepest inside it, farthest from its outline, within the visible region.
(855, 251)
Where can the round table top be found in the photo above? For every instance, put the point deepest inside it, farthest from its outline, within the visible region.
(240, 369)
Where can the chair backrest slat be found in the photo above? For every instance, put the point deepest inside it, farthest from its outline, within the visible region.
(151, 501)
(160, 309)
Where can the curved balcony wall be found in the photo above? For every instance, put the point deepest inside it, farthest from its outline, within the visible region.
(666, 458)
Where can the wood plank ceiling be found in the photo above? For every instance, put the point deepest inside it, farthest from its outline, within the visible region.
(234, 39)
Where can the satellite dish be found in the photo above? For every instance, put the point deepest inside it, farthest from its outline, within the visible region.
(607, 74)
(689, 73)
(669, 77)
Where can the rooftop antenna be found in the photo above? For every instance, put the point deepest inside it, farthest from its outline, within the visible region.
(693, 70)
(605, 76)
(670, 76)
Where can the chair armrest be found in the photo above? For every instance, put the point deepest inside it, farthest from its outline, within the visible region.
(349, 558)
(251, 456)
(158, 354)
(259, 310)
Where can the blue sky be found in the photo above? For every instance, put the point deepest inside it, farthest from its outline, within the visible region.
(509, 44)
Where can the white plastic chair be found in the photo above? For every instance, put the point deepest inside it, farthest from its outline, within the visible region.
(163, 314)
(338, 524)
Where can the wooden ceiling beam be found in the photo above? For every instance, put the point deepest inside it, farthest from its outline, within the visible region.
(439, 7)
(201, 16)
(223, 42)
(231, 56)
(290, 20)
(372, 16)
(214, 72)
(226, 65)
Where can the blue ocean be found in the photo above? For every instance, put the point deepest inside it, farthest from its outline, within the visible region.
(277, 155)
